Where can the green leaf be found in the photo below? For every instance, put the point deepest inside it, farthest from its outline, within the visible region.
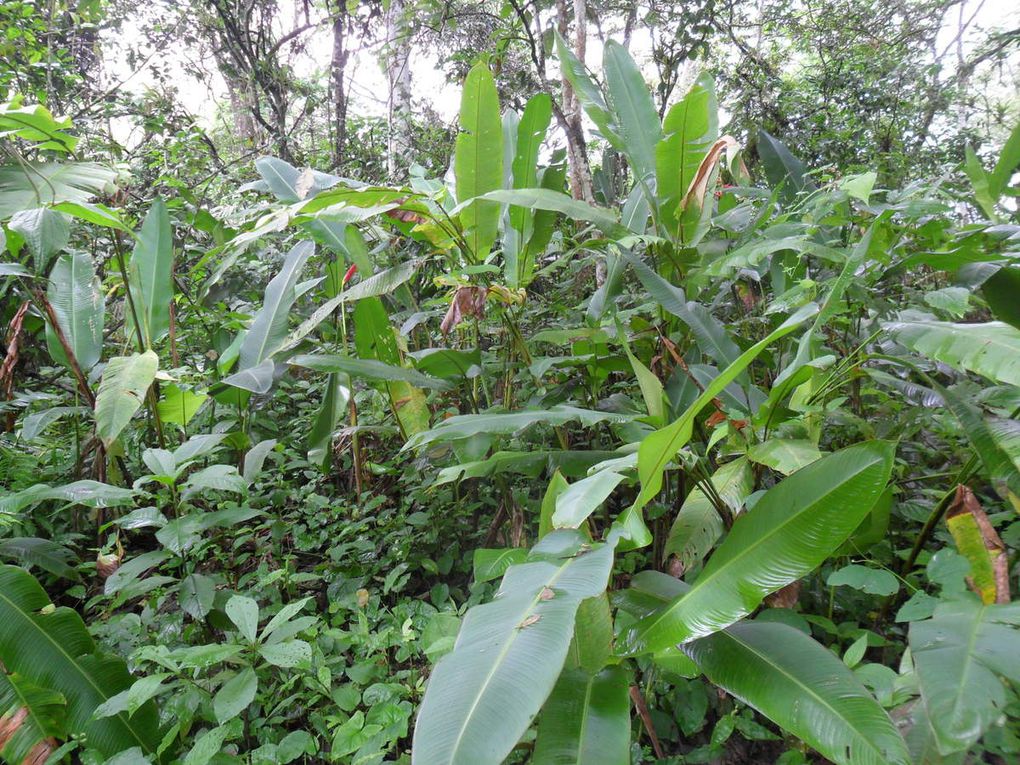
(586, 719)
(1002, 293)
(874, 581)
(292, 653)
(77, 299)
(235, 695)
(478, 159)
(691, 126)
(121, 392)
(334, 405)
(467, 425)
(557, 201)
(100, 215)
(52, 649)
(244, 613)
(483, 696)
(989, 438)
(959, 655)
(633, 110)
(587, 92)
(524, 175)
(557, 485)
(87, 493)
(268, 329)
(29, 185)
(784, 455)
(697, 526)
(795, 526)
(991, 349)
(491, 564)
(803, 688)
(368, 369)
(448, 363)
(196, 595)
(782, 168)
(151, 274)
(579, 500)
(45, 232)
(980, 181)
(179, 405)
(44, 553)
(1008, 162)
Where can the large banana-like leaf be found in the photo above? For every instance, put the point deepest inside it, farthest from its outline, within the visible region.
(121, 392)
(586, 720)
(959, 655)
(478, 159)
(32, 720)
(77, 300)
(30, 185)
(793, 528)
(151, 274)
(52, 650)
(691, 126)
(991, 349)
(269, 327)
(483, 695)
(782, 168)
(581, 499)
(989, 438)
(804, 688)
(633, 112)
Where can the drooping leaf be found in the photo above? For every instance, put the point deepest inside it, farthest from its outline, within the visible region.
(44, 553)
(1002, 292)
(478, 159)
(467, 425)
(368, 369)
(782, 168)
(793, 528)
(77, 299)
(45, 232)
(581, 499)
(30, 185)
(959, 655)
(87, 493)
(269, 327)
(978, 542)
(482, 696)
(991, 349)
(122, 391)
(334, 405)
(557, 201)
(785, 455)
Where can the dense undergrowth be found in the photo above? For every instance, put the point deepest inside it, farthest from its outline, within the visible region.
(742, 447)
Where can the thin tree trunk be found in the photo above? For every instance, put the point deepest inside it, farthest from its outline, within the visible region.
(338, 67)
(398, 74)
(580, 171)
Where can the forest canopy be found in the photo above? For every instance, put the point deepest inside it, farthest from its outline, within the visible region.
(466, 382)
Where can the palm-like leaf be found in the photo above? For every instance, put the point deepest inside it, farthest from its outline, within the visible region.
(53, 650)
(483, 696)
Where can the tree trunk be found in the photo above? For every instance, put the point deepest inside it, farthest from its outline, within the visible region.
(337, 71)
(398, 74)
(580, 171)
